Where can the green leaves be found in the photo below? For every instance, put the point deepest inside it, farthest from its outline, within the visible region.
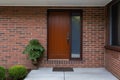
(2, 73)
(17, 72)
(34, 42)
(34, 49)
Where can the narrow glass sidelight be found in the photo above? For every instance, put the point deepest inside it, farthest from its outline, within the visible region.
(75, 35)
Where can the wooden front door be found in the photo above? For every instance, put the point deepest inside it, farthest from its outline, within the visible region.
(58, 35)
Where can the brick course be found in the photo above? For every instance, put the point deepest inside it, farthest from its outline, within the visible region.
(112, 62)
(20, 24)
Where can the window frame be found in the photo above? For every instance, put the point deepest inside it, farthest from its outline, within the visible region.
(108, 44)
(80, 26)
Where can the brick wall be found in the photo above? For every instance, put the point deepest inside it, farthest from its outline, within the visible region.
(17, 26)
(112, 62)
(20, 24)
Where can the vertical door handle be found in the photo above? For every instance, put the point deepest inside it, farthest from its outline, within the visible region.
(68, 37)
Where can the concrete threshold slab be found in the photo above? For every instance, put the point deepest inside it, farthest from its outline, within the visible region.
(89, 74)
(78, 74)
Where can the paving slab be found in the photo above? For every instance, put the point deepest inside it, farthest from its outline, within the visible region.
(90, 74)
(77, 74)
(45, 69)
(45, 78)
(44, 75)
(90, 70)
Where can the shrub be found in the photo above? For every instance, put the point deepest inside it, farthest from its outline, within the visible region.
(2, 73)
(17, 72)
(34, 49)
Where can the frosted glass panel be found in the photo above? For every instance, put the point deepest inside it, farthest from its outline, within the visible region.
(75, 48)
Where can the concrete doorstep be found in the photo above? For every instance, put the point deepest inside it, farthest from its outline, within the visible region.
(77, 74)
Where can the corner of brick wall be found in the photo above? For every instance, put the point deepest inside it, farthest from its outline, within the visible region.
(112, 62)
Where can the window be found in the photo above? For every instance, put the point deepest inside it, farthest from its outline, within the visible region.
(76, 35)
(115, 24)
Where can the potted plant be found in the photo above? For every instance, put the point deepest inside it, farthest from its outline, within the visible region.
(34, 50)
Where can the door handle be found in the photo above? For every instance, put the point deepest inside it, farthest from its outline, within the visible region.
(68, 37)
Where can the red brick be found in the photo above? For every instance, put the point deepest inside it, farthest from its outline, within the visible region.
(112, 62)
(20, 24)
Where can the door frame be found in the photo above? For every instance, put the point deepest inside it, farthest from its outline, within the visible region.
(81, 24)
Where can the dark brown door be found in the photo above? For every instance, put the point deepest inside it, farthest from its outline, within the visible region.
(58, 35)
